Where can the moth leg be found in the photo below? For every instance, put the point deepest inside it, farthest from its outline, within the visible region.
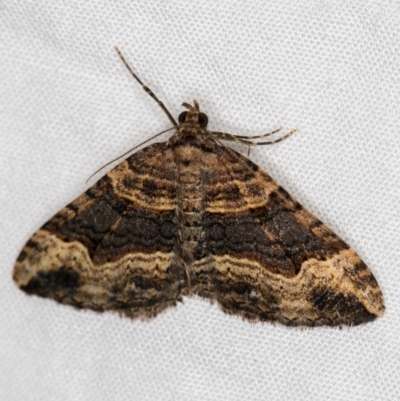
(260, 136)
(239, 138)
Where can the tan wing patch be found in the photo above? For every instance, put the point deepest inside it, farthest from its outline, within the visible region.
(151, 185)
(338, 291)
(64, 271)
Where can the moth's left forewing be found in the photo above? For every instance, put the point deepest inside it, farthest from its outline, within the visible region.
(270, 259)
(112, 248)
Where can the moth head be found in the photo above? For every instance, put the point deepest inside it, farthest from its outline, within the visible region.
(193, 117)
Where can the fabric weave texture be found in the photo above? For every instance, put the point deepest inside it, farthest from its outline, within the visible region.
(68, 106)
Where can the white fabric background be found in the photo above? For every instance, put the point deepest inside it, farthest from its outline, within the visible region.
(68, 105)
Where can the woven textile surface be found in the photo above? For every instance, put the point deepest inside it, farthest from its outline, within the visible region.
(68, 106)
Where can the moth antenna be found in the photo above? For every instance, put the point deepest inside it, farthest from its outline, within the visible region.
(146, 88)
(290, 133)
(129, 151)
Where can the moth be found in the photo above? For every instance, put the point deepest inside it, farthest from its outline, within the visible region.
(191, 216)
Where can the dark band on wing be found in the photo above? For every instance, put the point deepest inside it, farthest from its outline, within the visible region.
(271, 235)
(110, 227)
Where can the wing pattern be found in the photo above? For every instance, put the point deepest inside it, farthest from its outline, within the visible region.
(191, 216)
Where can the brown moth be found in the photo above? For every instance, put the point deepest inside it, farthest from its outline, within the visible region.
(192, 216)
